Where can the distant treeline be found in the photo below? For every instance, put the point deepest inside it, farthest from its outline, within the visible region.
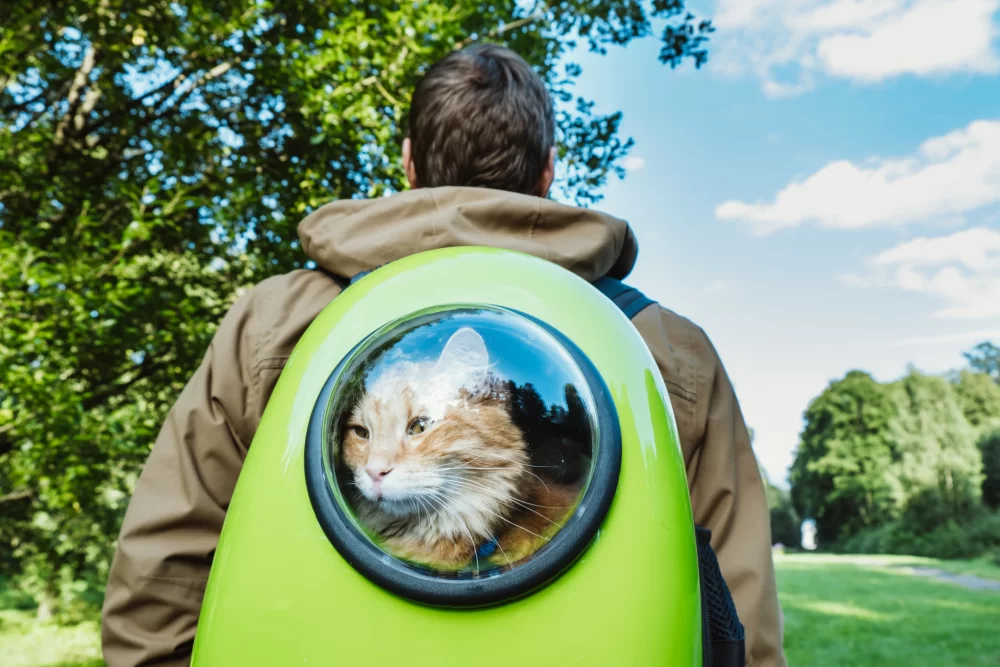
(910, 466)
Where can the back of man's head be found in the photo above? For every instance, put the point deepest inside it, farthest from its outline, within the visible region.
(481, 117)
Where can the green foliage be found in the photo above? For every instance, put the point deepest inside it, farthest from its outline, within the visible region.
(922, 447)
(985, 358)
(842, 475)
(871, 454)
(939, 461)
(978, 392)
(917, 534)
(979, 398)
(157, 157)
(786, 524)
(989, 447)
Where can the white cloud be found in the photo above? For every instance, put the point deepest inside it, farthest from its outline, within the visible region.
(633, 163)
(717, 287)
(950, 175)
(786, 43)
(965, 337)
(961, 270)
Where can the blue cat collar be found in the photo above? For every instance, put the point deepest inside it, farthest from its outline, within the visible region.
(487, 549)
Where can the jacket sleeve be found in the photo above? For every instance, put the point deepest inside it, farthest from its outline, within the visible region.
(727, 496)
(171, 528)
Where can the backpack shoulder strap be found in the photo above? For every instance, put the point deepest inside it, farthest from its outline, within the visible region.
(341, 283)
(628, 299)
(723, 638)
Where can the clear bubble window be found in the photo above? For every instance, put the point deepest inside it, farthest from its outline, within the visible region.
(461, 440)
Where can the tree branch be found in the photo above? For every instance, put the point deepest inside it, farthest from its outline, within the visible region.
(79, 81)
(20, 494)
(385, 93)
(134, 103)
(89, 101)
(173, 84)
(376, 80)
(146, 369)
(213, 73)
(501, 30)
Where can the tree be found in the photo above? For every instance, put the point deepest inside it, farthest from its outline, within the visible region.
(786, 524)
(842, 474)
(937, 444)
(985, 358)
(979, 398)
(989, 447)
(157, 156)
(978, 392)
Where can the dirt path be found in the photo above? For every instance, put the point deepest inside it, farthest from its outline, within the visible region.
(965, 580)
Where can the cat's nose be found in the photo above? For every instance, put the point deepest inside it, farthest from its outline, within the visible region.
(377, 473)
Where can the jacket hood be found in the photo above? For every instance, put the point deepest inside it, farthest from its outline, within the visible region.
(349, 236)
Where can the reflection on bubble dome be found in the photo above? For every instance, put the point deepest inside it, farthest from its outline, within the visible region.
(461, 440)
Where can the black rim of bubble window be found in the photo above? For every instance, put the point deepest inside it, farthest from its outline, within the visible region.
(469, 590)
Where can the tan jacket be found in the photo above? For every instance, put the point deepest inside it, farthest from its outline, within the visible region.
(173, 522)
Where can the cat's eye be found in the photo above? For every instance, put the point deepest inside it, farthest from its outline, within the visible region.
(417, 426)
(359, 431)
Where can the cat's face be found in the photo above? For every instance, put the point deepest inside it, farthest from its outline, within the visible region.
(417, 445)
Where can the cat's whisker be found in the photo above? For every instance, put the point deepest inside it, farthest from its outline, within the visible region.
(516, 525)
(525, 506)
(497, 542)
(485, 468)
(505, 500)
(523, 502)
(422, 505)
(479, 458)
(468, 532)
(504, 458)
(472, 542)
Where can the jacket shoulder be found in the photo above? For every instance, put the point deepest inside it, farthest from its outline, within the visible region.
(687, 362)
(281, 308)
(681, 348)
(275, 313)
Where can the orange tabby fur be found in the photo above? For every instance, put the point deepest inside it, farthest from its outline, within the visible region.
(463, 480)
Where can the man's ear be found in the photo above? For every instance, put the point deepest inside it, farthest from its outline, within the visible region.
(411, 171)
(548, 175)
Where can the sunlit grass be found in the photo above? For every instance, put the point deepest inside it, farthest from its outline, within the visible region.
(860, 611)
(867, 611)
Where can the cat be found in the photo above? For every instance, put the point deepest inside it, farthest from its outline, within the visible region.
(442, 473)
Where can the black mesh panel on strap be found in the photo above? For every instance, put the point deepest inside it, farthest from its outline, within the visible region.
(726, 641)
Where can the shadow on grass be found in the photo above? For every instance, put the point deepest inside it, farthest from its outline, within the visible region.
(868, 616)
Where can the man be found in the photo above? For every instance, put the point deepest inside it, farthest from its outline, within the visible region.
(480, 160)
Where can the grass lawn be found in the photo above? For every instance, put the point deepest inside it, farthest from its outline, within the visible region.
(865, 611)
(860, 611)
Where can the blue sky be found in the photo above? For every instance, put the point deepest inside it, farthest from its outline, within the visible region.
(823, 196)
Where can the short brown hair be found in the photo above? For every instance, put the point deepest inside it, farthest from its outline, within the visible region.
(481, 117)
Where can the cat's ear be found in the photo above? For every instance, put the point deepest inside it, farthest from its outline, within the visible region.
(465, 351)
